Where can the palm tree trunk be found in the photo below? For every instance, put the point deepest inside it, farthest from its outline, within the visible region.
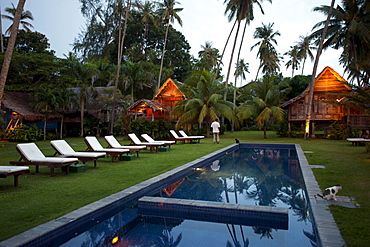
(223, 52)
(164, 49)
(304, 61)
(264, 129)
(45, 120)
(1, 36)
(121, 41)
(231, 59)
(10, 47)
(61, 127)
(82, 116)
(313, 78)
(237, 60)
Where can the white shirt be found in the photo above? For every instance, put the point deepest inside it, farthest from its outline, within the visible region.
(215, 127)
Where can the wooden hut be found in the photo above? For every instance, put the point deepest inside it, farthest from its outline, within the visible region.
(329, 88)
(160, 107)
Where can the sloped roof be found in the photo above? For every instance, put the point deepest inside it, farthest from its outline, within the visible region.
(20, 102)
(155, 105)
(327, 81)
(169, 89)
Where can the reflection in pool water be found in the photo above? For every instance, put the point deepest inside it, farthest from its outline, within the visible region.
(253, 176)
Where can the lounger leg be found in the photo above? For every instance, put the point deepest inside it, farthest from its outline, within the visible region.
(52, 171)
(37, 169)
(16, 180)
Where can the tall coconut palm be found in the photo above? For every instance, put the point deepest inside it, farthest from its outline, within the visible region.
(240, 69)
(205, 101)
(348, 29)
(314, 70)
(262, 100)
(167, 13)
(304, 49)
(294, 58)
(240, 10)
(209, 55)
(10, 47)
(121, 39)
(26, 15)
(147, 15)
(266, 51)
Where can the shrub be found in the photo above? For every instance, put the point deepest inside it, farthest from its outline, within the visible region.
(23, 133)
(339, 131)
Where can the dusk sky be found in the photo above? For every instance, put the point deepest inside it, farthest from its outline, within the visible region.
(61, 22)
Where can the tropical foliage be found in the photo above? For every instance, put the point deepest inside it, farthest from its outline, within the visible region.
(349, 29)
(204, 103)
(262, 99)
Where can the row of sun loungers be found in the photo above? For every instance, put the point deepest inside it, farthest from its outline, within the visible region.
(32, 155)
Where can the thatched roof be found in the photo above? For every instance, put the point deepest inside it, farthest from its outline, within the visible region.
(20, 102)
(145, 102)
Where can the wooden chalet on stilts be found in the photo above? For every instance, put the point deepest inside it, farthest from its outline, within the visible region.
(160, 107)
(329, 88)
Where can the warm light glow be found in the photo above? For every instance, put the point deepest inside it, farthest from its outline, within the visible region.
(115, 240)
(307, 128)
(198, 169)
(339, 100)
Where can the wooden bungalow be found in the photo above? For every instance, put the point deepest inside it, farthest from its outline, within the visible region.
(17, 110)
(329, 88)
(160, 107)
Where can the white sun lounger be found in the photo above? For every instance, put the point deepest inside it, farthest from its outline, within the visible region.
(32, 155)
(183, 139)
(113, 143)
(149, 139)
(65, 150)
(94, 145)
(185, 135)
(136, 141)
(15, 171)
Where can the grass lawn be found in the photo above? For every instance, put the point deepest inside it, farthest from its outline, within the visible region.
(41, 198)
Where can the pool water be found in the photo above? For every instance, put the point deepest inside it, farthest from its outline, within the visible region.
(264, 176)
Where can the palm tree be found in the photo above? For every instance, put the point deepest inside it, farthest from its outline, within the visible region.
(294, 59)
(204, 103)
(83, 75)
(269, 59)
(240, 10)
(167, 13)
(10, 47)
(134, 75)
(26, 15)
(314, 70)
(348, 29)
(263, 101)
(209, 55)
(47, 102)
(305, 49)
(67, 99)
(240, 69)
(148, 15)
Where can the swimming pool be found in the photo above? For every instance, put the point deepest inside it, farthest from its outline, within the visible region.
(218, 184)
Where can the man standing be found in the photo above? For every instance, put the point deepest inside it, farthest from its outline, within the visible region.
(216, 131)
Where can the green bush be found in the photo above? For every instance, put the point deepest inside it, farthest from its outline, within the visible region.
(24, 133)
(340, 131)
